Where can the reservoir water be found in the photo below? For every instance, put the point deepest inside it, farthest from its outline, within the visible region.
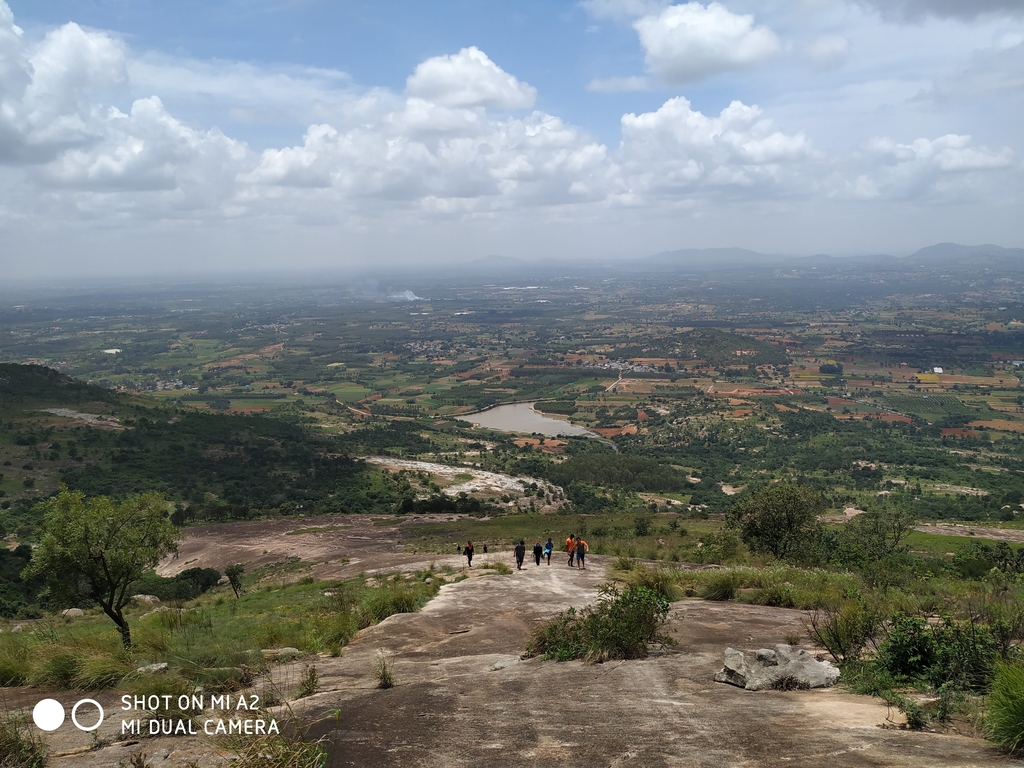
(521, 417)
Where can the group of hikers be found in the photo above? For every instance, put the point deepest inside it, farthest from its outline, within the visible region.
(575, 546)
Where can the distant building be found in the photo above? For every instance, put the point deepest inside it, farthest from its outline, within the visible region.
(936, 370)
(1018, 363)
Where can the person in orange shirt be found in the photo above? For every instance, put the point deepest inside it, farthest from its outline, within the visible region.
(581, 553)
(570, 545)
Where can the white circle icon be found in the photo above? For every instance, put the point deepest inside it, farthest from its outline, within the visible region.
(74, 715)
(48, 714)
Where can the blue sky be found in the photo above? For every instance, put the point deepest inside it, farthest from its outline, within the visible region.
(140, 136)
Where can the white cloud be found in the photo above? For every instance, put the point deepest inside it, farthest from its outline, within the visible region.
(469, 79)
(677, 150)
(946, 153)
(48, 94)
(827, 51)
(689, 42)
(941, 169)
(618, 84)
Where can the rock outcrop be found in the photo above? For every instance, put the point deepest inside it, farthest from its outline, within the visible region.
(784, 668)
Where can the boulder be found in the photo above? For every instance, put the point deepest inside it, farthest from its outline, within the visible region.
(152, 669)
(784, 667)
(147, 599)
(72, 613)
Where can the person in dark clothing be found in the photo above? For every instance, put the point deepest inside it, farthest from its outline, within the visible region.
(547, 549)
(520, 554)
(538, 551)
(469, 553)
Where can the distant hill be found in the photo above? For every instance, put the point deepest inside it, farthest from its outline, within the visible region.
(976, 256)
(23, 384)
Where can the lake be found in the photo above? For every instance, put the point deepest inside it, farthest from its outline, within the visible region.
(521, 417)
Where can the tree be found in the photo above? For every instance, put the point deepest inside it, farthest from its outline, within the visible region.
(778, 519)
(95, 548)
(234, 574)
(880, 533)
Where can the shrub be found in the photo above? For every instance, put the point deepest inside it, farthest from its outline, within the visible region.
(621, 625)
(97, 671)
(382, 668)
(965, 655)
(499, 567)
(909, 649)
(14, 659)
(625, 563)
(844, 628)
(309, 683)
(664, 581)
(789, 683)
(19, 746)
(721, 586)
(279, 752)
(776, 595)
(1004, 719)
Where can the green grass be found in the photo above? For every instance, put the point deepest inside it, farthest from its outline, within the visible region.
(214, 640)
(1004, 719)
(940, 544)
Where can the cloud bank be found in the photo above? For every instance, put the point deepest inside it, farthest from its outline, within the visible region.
(462, 143)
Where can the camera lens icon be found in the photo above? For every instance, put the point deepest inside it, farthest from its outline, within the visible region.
(48, 715)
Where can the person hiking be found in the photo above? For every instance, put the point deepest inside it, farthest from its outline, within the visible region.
(538, 552)
(581, 553)
(570, 545)
(547, 549)
(520, 554)
(468, 552)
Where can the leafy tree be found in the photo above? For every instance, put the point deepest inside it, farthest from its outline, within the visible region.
(234, 574)
(878, 534)
(781, 520)
(95, 549)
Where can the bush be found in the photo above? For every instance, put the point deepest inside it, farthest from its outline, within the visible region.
(664, 581)
(721, 586)
(776, 596)
(909, 649)
(966, 654)
(844, 628)
(621, 625)
(19, 746)
(279, 752)
(1004, 719)
(382, 668)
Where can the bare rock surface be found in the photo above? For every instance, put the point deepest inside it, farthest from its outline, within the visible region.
(784, 666)
(465, 697)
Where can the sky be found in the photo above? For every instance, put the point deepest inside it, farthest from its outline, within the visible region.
(317, 136)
